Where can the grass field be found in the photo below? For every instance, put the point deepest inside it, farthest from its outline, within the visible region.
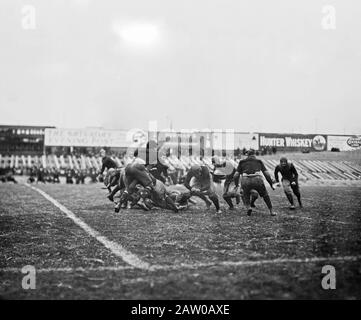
(84, 250)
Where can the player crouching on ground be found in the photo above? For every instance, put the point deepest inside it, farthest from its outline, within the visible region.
(180, 195)
(136, 173)
(158, 196)
(107, 163)
(113, 178)
(251, 179)
(289, 181)
(202, 185)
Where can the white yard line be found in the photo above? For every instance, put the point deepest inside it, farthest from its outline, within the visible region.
(135, 262)
(71, 270)
(244, 263)
(114, 247)
(321, 220)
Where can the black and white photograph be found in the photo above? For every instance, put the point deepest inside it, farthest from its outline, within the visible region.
(191, 151)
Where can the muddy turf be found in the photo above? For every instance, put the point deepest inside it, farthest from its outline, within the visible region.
(194, 254)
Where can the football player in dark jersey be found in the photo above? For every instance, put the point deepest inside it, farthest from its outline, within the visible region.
(289, 181)
(107, 162)
(251, 170)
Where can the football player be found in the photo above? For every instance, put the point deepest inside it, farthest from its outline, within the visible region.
(135, 173)
(225, 170)
(159, 196)
(289, 181)
(180, 195)
(200, 182)
(107, 163)
(250, 170)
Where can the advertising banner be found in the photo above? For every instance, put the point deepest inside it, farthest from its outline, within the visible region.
(95, 138)
(216, 140)
(344, 143)
(293, 142)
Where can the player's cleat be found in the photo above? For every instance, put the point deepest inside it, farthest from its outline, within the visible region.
(238, 199)
(249, 212)
(219, 211)
(110, 197)
(292, 207)
(117, 208)
(273, 213)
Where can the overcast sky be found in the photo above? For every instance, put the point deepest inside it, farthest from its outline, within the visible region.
(245, 65)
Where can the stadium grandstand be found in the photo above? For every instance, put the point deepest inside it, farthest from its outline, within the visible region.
(23, 148)
(22, 140)
(308, 169)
